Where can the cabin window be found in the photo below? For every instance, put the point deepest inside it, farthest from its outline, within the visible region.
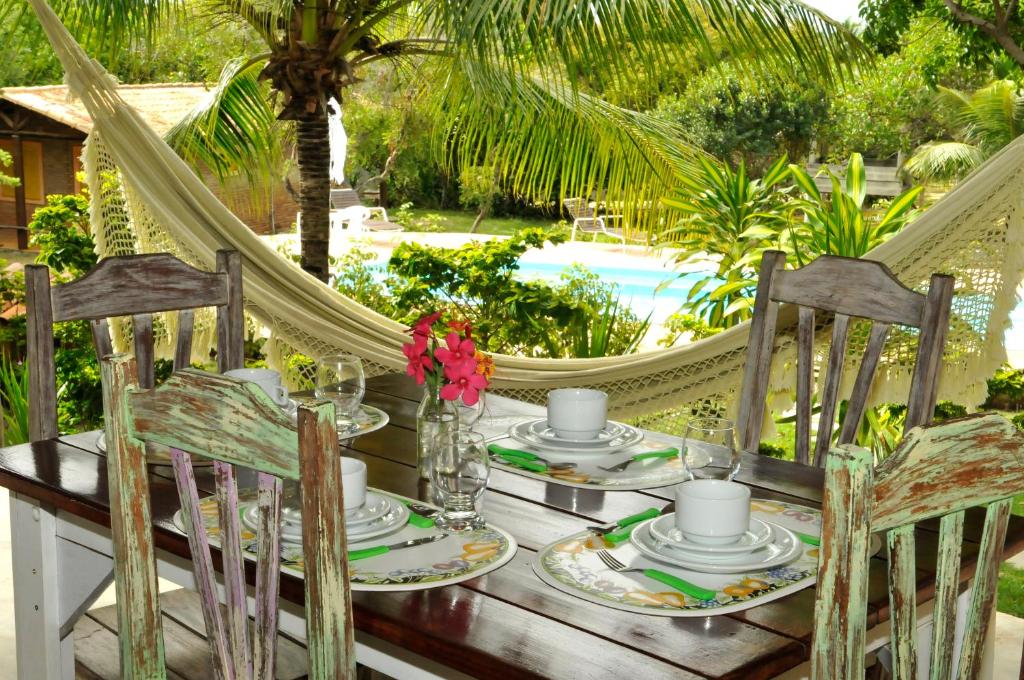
(33, 164)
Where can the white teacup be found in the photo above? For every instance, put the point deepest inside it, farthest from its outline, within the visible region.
(712, 511)
(576, 413)
(268, 380)
(353, 483)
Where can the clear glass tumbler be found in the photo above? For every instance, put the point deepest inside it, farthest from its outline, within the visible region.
(339, 378)
(459, 475)
(709, 449)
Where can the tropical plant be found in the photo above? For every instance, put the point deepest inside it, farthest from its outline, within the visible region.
(985, 121)
(841, 224)
(14, 396)
(727, 218)
(7, 162)
(503, 76)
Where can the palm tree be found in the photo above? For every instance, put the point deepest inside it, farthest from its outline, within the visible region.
(502, 76)
(987, 120)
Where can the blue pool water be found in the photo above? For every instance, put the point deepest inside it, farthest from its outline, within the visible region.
(636, 286)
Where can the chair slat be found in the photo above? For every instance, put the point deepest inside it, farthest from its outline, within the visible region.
(230, 319)
(841, 625)
(329, 627)
(830, 389)
(903, 602)
(759, 357)
(862, 386)
(924, 384)
(183, 347)
(202, 564)
(142, 330)
(947, 580)
(101, 337)
(804, 383)
(141, 637)
(990, 556)
(232, 561)
(268, 565)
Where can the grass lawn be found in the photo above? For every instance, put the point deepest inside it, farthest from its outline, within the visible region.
(460, 221)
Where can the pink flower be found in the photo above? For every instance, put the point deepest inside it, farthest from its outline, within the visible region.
(424, 325)
(465, 384)
(419, 360)
(458, 351)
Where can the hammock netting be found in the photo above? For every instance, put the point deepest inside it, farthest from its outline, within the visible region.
(144, 198)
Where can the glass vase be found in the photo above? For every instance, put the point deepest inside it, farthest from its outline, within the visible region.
(435, 416)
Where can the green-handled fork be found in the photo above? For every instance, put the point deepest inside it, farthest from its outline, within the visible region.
(691, 589)
(664, 453)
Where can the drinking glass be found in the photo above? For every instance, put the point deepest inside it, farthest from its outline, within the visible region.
(459, 475)
(468, 415)
(339, 378)
(709, 449)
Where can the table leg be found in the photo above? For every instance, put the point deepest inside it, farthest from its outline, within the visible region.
(42, 655)
(55, 581)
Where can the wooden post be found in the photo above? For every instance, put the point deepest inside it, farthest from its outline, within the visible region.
(20, 207)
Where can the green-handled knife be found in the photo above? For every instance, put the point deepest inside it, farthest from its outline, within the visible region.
(382, 549)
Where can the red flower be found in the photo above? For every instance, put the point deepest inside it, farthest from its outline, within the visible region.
(423, 326)
(466, 383)
(419, 359)
(458, 352)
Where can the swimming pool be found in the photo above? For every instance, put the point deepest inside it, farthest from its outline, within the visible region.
(638, 288)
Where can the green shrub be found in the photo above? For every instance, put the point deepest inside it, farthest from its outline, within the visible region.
(1006, 389)
(1018, 420)
(947, 410)
(773, 450)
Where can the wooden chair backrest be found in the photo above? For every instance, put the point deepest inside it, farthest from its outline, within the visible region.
(188, 414)
(938, 471)
(579, 208)
(136, 286)
(847, 288)
(345, 198)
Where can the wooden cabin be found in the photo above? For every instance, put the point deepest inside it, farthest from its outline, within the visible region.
(44, 130)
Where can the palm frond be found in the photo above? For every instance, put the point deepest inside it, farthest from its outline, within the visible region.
(589, 38)
(233, 132)
(103, 28)
(944, 160)
(549, 141)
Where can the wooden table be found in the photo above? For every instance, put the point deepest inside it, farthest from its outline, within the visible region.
(507, 624)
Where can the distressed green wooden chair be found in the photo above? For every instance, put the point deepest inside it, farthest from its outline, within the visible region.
(233, 423)
(939, 471)
(846, 288)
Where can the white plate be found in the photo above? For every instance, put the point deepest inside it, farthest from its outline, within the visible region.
(369, 419)
(292, 531)
(541, 430)
(663, 530)
(375, 507)
(785, 548)
(522, 434)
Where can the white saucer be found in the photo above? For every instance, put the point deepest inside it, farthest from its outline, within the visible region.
(375, 507)
(522, 433)
(663, 530)
(785, 547)
(291, 532)
(541, 430)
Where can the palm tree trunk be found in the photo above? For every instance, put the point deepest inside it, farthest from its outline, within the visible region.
(314, 153)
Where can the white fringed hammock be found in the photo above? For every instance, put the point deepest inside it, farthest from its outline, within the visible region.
(144, 198)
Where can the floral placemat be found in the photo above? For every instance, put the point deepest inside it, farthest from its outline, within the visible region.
(456, 558)
(572, 565)
(588, 472)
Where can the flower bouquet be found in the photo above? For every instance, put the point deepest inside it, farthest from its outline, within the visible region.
(453, 372)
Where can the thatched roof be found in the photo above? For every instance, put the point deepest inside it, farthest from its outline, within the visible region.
(160, 105)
